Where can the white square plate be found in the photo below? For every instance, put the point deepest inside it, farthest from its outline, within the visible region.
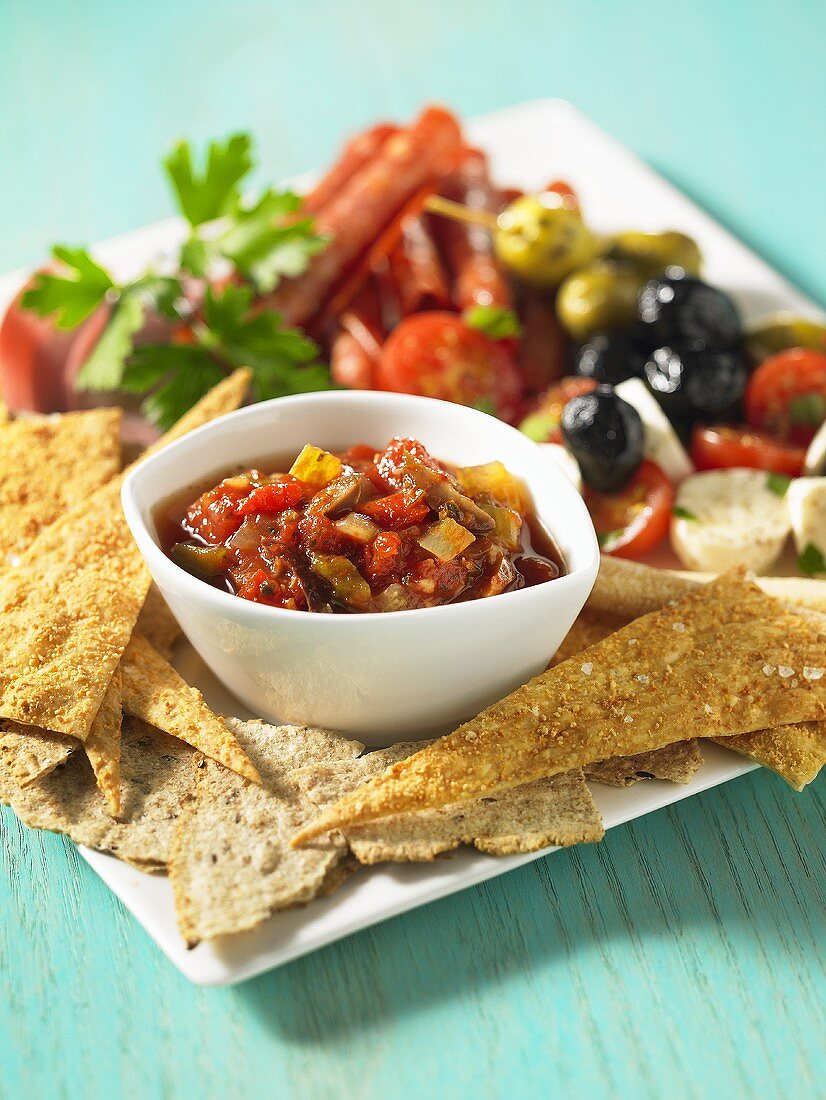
(529, 145)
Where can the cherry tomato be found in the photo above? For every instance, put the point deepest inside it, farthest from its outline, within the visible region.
(722, 447)
(633, 521)
(570, 199)
(786, 395)
(543, 424)
(436, 354)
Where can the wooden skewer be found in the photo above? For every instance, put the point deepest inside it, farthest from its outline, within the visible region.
(436, 204)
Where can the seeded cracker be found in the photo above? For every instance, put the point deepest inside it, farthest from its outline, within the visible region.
(26, 755)
(795, 752)
(68, 610)
(232, 865)
(557, 811)
(103, 745)
(157, 624)
(48, 465)
(156, 693)
(157, 776)
(705, 651)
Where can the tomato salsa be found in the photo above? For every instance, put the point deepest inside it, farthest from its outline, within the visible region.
(364, 530)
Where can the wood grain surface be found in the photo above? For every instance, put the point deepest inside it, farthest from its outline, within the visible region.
(684, 956)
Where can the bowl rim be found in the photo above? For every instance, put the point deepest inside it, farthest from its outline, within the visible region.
(222, 601)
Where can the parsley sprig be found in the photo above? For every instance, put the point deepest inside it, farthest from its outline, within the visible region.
(231, 334)
(259, 241)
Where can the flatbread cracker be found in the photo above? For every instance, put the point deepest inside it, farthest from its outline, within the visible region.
(156, 693)
(558, 811)
(795, 752)
(712, 664)
(232, 865)
(103, 745)
(157, 777)
(677, 763)
(27, 754)
(69, 608)
(157, 624)
(50, 464)
(630, 589)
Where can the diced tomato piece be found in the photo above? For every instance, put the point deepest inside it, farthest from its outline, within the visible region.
(321, 535)
(439, 581)
(389, 462)
(786, 395)
(214, 516)
(384, 555)
(637, 518)
(402, 509)
(359, 453)
(279, 588)
(271, 499)
(723, 447)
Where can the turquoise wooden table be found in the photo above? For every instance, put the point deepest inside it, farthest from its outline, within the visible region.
(683, 956)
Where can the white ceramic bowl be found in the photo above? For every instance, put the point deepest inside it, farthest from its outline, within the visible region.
(381, 677)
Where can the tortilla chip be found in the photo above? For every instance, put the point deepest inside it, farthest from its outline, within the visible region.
(796, 752)
(49, 465)
(157, 776)
(103, 745)
(157, 624)
(232, 865)
(154, 692)
(69, 608)
(27, 754)
(629, 589)
(558, 811)
(712, 664)
(677, 763)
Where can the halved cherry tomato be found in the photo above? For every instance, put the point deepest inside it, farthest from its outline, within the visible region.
(633, 521)
(786, 395)
(543, 423)
(722, 447)
(436, 354)
(570, 199)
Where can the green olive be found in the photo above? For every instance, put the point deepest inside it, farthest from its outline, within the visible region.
(652, 253)
(782, 331)
(541, 242)
(600, 297)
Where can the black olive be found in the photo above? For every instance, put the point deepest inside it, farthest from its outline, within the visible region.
(692, 383)
(605, 435)
(609, 358)
(678, 308)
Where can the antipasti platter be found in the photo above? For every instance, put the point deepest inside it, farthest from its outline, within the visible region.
(445, 558)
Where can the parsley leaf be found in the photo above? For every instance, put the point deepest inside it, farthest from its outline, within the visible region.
(73, 296)
(215, 193)
(494, 321)
(104, 368)
(174, 376)
(811, 561)
(683, 513)
(778, 484)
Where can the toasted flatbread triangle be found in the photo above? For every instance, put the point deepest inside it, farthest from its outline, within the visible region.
(69, 608)
(102, 745)
(157, 777)
(154, 692)
(795, 752)
(27, 754)
(49, 464)
(713, 664)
